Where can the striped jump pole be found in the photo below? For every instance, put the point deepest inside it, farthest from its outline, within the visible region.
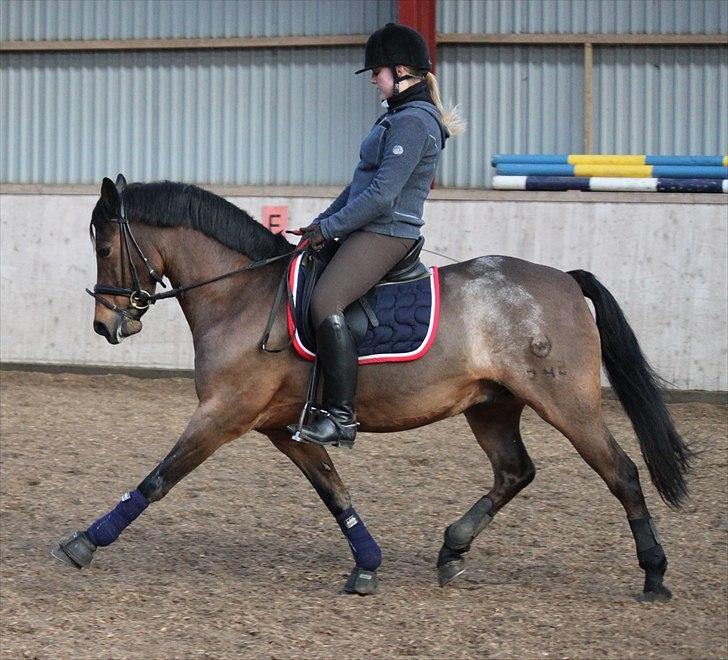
(620, 170)
(610, 184)
(609, 159)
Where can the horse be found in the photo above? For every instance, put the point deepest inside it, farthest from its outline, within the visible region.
(511, 334)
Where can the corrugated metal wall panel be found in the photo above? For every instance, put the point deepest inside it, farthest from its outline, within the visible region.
(661, 100)
(296, 116)
(578, 16)
(515, 99)
(245, 117)
(37, 20)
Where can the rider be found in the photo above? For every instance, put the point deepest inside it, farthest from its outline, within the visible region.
(378, 216)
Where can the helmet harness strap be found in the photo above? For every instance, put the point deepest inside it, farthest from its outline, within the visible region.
(397, 79)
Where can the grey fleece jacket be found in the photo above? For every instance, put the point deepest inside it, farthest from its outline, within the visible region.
(387, 193)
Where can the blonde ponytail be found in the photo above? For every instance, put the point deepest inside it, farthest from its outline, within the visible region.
(450, 117)
(454, 123)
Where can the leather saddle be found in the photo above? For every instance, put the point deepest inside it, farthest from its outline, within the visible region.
(360, 313)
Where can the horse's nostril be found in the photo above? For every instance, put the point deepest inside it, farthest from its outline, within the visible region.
(101, 329)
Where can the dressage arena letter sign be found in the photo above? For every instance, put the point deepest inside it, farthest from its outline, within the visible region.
(275, 218)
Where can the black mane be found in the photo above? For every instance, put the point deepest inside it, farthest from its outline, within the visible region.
(169, 204)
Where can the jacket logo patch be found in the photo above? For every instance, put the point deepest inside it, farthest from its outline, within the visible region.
(397, 150)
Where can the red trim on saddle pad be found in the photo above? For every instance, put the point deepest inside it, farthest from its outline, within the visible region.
(368, 359)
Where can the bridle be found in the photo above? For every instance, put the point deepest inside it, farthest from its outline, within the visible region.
(139, 299)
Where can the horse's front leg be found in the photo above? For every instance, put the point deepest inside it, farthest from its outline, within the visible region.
(210, 427)
(317, 466)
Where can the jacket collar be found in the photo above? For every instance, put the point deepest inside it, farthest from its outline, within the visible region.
(417, 92)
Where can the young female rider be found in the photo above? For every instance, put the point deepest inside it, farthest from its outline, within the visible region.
(378, 216)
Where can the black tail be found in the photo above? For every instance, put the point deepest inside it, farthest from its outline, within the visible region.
(637, 386)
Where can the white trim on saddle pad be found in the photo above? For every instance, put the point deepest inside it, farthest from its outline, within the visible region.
(293, 278)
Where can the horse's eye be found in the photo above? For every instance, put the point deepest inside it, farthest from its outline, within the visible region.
(103, 252)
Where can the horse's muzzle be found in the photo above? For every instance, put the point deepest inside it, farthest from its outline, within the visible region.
(115, 329)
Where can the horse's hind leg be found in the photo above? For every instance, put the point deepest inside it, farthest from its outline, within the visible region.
(584, 426)
(315, 463)
(496, 427)
(209, 428)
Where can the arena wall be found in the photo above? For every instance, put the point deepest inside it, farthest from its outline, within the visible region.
(663, 256)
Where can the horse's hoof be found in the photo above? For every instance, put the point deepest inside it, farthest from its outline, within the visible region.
(659, 594)
(361, 582)
(75, 550)
(449, 571)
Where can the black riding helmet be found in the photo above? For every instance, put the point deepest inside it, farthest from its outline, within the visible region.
(396, 44)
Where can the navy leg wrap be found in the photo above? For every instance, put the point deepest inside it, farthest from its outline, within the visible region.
(367, 554)
(107, 528)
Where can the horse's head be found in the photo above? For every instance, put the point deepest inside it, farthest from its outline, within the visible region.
(127, 267)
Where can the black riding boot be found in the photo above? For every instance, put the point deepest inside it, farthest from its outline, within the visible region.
(336, 423)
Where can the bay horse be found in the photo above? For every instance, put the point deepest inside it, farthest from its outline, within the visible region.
(511, 334)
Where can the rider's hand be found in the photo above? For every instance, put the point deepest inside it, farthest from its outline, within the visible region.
(313, 235)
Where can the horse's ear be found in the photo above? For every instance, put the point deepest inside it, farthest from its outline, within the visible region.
(120, 182)
(110, 195)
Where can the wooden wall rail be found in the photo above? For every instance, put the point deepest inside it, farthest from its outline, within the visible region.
(453, 38)
(444, 39)
(184, 44)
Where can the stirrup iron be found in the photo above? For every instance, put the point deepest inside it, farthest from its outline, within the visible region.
(310, 407)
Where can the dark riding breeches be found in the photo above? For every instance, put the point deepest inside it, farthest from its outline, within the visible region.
(362, 260)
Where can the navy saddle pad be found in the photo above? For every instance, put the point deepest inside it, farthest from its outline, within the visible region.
(406, 317)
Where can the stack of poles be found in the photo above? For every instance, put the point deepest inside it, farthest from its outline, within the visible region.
(603, 172)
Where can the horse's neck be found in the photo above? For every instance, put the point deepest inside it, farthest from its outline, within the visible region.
(191, 257)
